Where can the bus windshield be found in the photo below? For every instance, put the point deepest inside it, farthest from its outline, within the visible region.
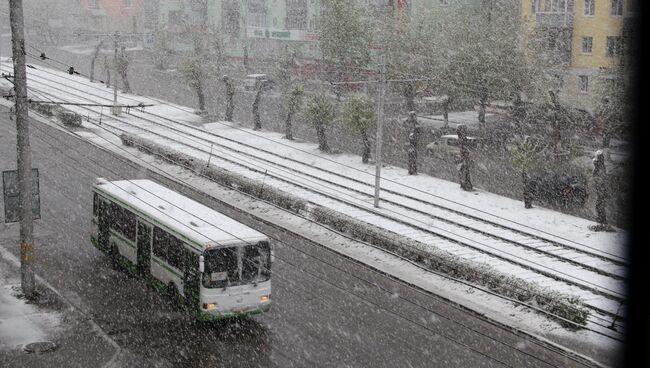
(239, 265)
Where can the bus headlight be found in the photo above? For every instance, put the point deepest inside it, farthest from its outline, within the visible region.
(265, 298)
(209, 305)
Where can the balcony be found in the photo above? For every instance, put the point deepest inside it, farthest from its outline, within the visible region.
(554, 19)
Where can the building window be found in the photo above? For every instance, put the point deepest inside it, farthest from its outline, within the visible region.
(587, 44)
(257, 13)
(617, 7)
(613, 45)
(583, 83)
(296, 14)
(555, 6)
(230, 17)
(128, 3)
(590, 7)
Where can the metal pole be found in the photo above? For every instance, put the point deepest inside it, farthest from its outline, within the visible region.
(116, 109)
(24, 152)
(380, 127)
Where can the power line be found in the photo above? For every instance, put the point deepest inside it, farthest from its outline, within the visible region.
(521, 303)
(312, 187)
(403, 215)
(330, 283)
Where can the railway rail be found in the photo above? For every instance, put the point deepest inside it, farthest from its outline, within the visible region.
(595, 275)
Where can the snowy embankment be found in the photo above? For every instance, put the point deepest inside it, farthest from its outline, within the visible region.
(557, 304)
(540, 221)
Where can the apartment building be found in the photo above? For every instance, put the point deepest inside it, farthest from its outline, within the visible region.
(582, 40)
(108, 16)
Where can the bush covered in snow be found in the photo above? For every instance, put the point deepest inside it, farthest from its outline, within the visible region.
(565, 306)
(41, 108)
(556, 304)
(69, 118)
(226, 178)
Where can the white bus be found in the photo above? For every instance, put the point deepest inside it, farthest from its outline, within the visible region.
(206, 261)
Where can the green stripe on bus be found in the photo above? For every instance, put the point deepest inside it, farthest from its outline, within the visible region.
(122, 238)
(164, 265)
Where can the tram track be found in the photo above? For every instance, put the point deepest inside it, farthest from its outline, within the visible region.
(395, 201)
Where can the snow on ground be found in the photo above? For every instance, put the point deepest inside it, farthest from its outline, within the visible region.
(494, 307)
(22, 323)
(540, 221)
(584, 342)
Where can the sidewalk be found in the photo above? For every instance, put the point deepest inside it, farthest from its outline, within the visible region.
(78, 343)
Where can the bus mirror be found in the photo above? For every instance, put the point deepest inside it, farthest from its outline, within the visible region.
(201, 264)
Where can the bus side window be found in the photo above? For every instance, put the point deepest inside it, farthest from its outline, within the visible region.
(168, 248)
(175, 253)
(123, 221)
(160, 243)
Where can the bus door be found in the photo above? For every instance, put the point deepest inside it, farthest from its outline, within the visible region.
(144, 248)
(103, 225)
(191, 279)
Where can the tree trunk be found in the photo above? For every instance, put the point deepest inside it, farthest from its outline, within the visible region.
(230, 106)
(365, 156)
(92, 62)
(445, 114)
(257, 122)
(409, 95)
(465, 180)
(528, 192)
(287, 126)
(322, 137)
(201, 96)
(125, 81)
(481, 110)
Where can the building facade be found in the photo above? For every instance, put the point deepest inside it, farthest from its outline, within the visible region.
(107, 16)
(582, 39)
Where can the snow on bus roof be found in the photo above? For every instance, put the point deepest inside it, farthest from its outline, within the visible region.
(180, 213)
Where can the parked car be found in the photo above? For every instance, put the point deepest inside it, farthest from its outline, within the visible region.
(254, 81)
(449, 144)
(553, 188)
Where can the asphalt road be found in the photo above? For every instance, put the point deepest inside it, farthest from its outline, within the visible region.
(326, 311)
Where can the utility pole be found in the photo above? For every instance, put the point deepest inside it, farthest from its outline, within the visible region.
(24, 152)
(116, 109)
(380, 126)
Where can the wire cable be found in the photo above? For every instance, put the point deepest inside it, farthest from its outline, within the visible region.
(443, 230)
(520, 303)
(430, 194)
(325, 281)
